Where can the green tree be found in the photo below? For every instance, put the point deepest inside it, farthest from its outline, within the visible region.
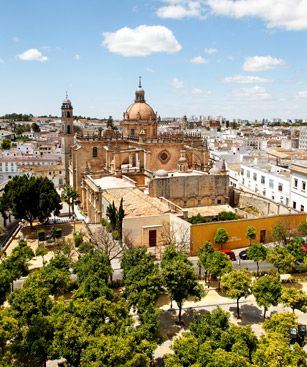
(69, 196)
(240, 340)
(237, 284)
(227, 359)
(281, 323)
(302, 229)
(93, 271)
(116, 216)
(35, 127)
(294, 298)
(221, 237)
(218, 264)
(179, 278)
(280, 233)
(274, 351)
(31, 198)
(142, 281)
(282, 259)
(210, 326)
(41, 251)
(267, 291)
(251, 234)
(6, 144)
(258, 253)
(226, 215)
(296, 248)
(203, 255)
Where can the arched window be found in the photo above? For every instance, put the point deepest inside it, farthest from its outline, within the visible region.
(68, 114)
(95, 152)
(68, 129)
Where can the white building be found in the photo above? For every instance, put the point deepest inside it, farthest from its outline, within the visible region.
(269, 181)
(298, 194)
(302, 141)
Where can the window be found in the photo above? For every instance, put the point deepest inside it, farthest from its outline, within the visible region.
(303, 185)
(95, 152)
(302, 208)
(255, 176)
(295, 183)
(164, 156)
(279, 186)
(294, 205)
(248, 174)
(242, 171)
(271, 183)
(132, 132)
(262, 179)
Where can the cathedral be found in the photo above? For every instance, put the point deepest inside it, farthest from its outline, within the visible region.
(136, 152)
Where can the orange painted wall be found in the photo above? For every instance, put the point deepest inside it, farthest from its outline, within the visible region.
(236, 229)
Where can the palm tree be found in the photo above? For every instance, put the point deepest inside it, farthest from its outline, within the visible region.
(69, 196)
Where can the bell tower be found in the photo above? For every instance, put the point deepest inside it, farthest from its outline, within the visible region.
(67, 134)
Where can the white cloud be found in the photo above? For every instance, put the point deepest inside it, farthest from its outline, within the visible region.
(303, 93)
(179, 9)
(33, 54)
(198, 60)
(176, 83)
(288, 14)
(150, 70)
(210, 50)
(141, 41)
(255, 92)
(197, 91)
(261, 63)
(77, 57)
(200, 91)
(245, 79)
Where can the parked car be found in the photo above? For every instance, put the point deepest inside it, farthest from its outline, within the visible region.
(243, 255)
(230, 253)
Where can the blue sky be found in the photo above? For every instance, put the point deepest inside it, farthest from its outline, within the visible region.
(240, 59)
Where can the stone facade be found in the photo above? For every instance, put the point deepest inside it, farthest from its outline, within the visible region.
(192, 190)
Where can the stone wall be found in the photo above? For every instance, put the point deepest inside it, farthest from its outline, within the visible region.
(190, 191)
(263, 206)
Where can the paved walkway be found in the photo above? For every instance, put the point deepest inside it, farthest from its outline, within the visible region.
(250, 314)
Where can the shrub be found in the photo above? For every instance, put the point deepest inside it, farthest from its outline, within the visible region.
(78, 238)
(115, 235)
(104, 222)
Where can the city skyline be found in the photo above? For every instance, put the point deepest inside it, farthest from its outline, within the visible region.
(241, 59)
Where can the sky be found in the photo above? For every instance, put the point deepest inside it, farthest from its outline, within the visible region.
(235, 58)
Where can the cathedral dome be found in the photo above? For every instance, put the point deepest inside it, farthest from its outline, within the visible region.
(140, 111)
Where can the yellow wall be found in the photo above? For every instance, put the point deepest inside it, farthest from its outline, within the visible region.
(236, 229)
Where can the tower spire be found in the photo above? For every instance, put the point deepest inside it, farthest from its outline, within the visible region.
(140, 82)
(66, 94)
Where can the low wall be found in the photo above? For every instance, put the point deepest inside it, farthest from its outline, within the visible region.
(237, 229)
(264, 205)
